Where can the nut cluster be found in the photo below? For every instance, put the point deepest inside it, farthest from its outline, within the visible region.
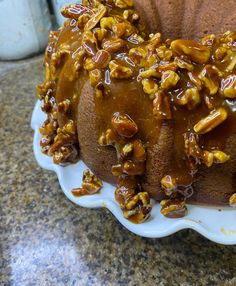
(91, 184)
(131, 157)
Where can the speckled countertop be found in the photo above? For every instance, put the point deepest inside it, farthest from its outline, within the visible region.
(47, 240)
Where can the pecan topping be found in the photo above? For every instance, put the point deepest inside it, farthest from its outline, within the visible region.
(228, 86)
(75, 11)
(169, 79)
(124, 125)
(101, 59)
(192, 50)
(96, 18)
(232, 200)
(115, 45)
(149, 86)
(173, 208)
(169, 185)
(90, 185)
(119, 70)
(210, 77)
(208, 123)
(124, 3)
(191, 98)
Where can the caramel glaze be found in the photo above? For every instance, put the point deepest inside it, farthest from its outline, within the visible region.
(67, 73)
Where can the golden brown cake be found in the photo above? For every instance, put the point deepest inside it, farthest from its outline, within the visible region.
(153, 116)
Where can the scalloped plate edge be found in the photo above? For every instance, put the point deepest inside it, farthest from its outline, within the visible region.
(216, 225)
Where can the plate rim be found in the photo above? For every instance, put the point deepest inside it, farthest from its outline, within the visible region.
(112, 206)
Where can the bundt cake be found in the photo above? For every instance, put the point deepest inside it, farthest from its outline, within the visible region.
(153, 114)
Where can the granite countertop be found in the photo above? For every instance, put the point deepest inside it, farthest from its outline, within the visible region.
(47, 240)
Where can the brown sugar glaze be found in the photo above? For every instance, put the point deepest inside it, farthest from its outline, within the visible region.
(168, 68)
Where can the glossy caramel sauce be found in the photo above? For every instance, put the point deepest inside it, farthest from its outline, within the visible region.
(209, 71)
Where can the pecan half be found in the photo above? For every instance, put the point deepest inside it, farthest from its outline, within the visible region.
(119, 70)
(190, 97)
(192, 50)
(91, 184)
(208, 123)
(169, 79)
(173, 208)
(124, 125)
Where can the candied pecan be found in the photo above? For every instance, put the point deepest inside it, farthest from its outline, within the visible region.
(124, 125)
(210, 78)
(89, 64)
(46, 140)
(123, 194)
(138, 55)
(173, 208)
(64, 105)
(164, 53)
(209, 40)
(95, 77)
(231, 65)
(169, 79)
(124, 3)
(190, 97)
(228, 86)
(139, 214)
(107, 138)
(94, 20)
(127, 150)
(142, 197)
(151, 72)
(133, 168)
(82, 20)
(123, 29)
(100, 34)
(64, 154)
(102, 59)
(91, 184)
(193, 76)
(149, 86)
(161, 106)
(154, 42)
(119, 70)
(232, 200)
(152, 61)
(215, 118)
(75, 11)
(131, 15)
(139, 152)
(117, 170)
(169, 185)
(192, 50)
(107, 22)
(184, 64)
(46, 88)
(49, 127)
(135, 39)
(220, 157)
(221, 53)
(89, 43)
(114, 45)
(208, 158)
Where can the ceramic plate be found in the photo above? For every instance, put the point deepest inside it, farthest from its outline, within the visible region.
(216, 224)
